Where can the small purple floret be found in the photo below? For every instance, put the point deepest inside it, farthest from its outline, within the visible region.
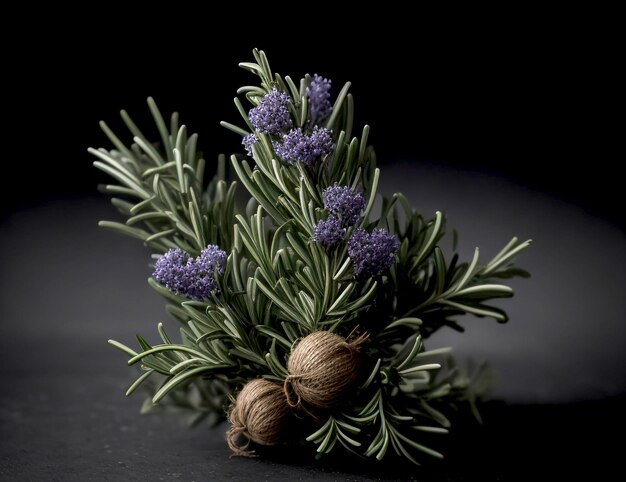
(319, 99)
(328, 232)
(192, 278)
(372, 253)
(298, 147)
(345, 203)
(271, 116)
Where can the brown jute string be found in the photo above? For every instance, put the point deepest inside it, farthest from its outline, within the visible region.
(323, 368)
(260, 414)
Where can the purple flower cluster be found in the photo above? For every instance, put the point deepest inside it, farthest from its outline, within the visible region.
(189, 277)
(345, 203)
(345, 207)
(298, 147)
(319, 99)
(171, 270)
(271, 116)
(247, 141)
(328, 232)
(372, 253)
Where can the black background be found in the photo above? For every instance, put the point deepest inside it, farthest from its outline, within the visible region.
(528, 97)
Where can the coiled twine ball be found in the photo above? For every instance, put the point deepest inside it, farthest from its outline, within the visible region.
(260, 414)
(324, 369)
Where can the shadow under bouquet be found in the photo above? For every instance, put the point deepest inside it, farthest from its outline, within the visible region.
(303, 304)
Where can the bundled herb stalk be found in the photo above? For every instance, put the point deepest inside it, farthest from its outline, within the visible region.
(303, 315)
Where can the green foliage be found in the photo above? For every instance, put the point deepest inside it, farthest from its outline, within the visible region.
(278, 285)
(161, 191)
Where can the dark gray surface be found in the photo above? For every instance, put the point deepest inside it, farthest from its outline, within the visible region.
(567, 326)
(68, 286)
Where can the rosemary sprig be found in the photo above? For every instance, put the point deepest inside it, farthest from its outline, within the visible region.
(278, 284)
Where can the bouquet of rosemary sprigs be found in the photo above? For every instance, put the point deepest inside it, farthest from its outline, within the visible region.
(303, 314)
